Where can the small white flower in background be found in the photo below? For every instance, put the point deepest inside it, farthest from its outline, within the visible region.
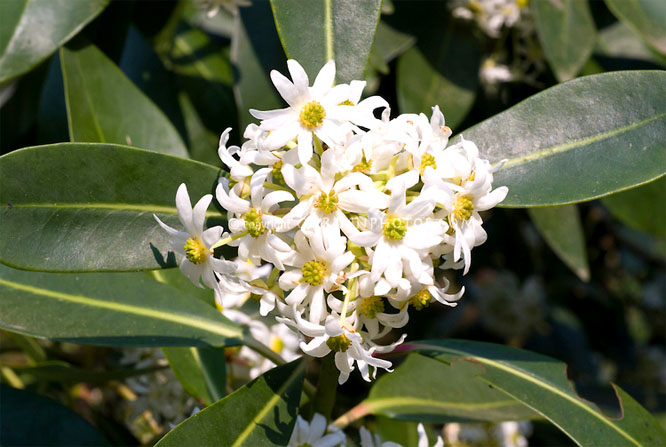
(491, 15)
(353, 212)
(369, 439)
(503, 434)
(316, 433)
(195, 244)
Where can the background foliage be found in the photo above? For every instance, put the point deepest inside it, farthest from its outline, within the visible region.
(106, 107)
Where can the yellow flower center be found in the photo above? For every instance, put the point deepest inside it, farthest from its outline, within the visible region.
(462, 208)
(346, 102)
(427, 160)
(370, 307)
(253, 223)
(313, 272)
(327, 202)
(276, 173)
(339, 344)
(364, 166)
(395, 228)
(195, 251)
(312, 115)
(421, 300)
(277, 345)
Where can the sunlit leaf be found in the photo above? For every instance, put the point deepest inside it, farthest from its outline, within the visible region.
(316, 32)
(263, 412)
(567, 34)
(645, 17)
(579, 140)
(111, 309)
(89, 207)
(33, 29)
(422, 389)
(104, 106)
(541, 383)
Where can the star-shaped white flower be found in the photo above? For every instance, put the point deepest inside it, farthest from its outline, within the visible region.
(194, 244)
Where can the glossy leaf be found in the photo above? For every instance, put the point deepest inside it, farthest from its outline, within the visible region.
(567, 34)
(425, 390)
(111, 309)
(29, 419)
(580, 140)
(645, 17)
(104, 106)
(541, 383)
(427, 77)
(316, 32)
(255, 51)
(643, 208)
(202, 371)
(263, 412)
(563, 232)
(89, 207)
(57, 371)
(33, 29)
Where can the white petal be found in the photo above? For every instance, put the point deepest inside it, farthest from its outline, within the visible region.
(211, 235)
(324, 80)
(199, 214)
(184, 207)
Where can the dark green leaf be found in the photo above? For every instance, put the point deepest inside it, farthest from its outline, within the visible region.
(426, 74)
(646, 17)
(202, 371)
(29, 419)
(567, 34)
(402, 432)
(205, 76)
(316, 32)
(112, 309)
(143, 67)
(255, 52)
(103, 106)
(262, 412)
(541, 383)
(57, 371)
(422, 389)
(643, 208)
(89, 207)
(580, 140)
(52, 114)
(33, 29)
(561, 228)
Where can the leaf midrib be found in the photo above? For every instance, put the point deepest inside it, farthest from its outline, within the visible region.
(553, 150)
(530, 378)
(197, 323)
(375, 404)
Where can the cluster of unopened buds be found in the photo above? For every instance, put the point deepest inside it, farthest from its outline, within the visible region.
(355, 214)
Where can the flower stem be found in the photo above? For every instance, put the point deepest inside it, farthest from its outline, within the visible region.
(351, 293)
(226, 240)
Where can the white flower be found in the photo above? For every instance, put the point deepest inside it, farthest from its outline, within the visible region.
(402, 234)
(347, 345)
(368, 439)
(321, 269)
(315, 433)
(194, 244)
(325, 199)
(423, 438)
(237, 170)
(312, 110)
(253, 217)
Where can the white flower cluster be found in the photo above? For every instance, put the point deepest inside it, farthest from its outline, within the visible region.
(491, 15)
(353, 212)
